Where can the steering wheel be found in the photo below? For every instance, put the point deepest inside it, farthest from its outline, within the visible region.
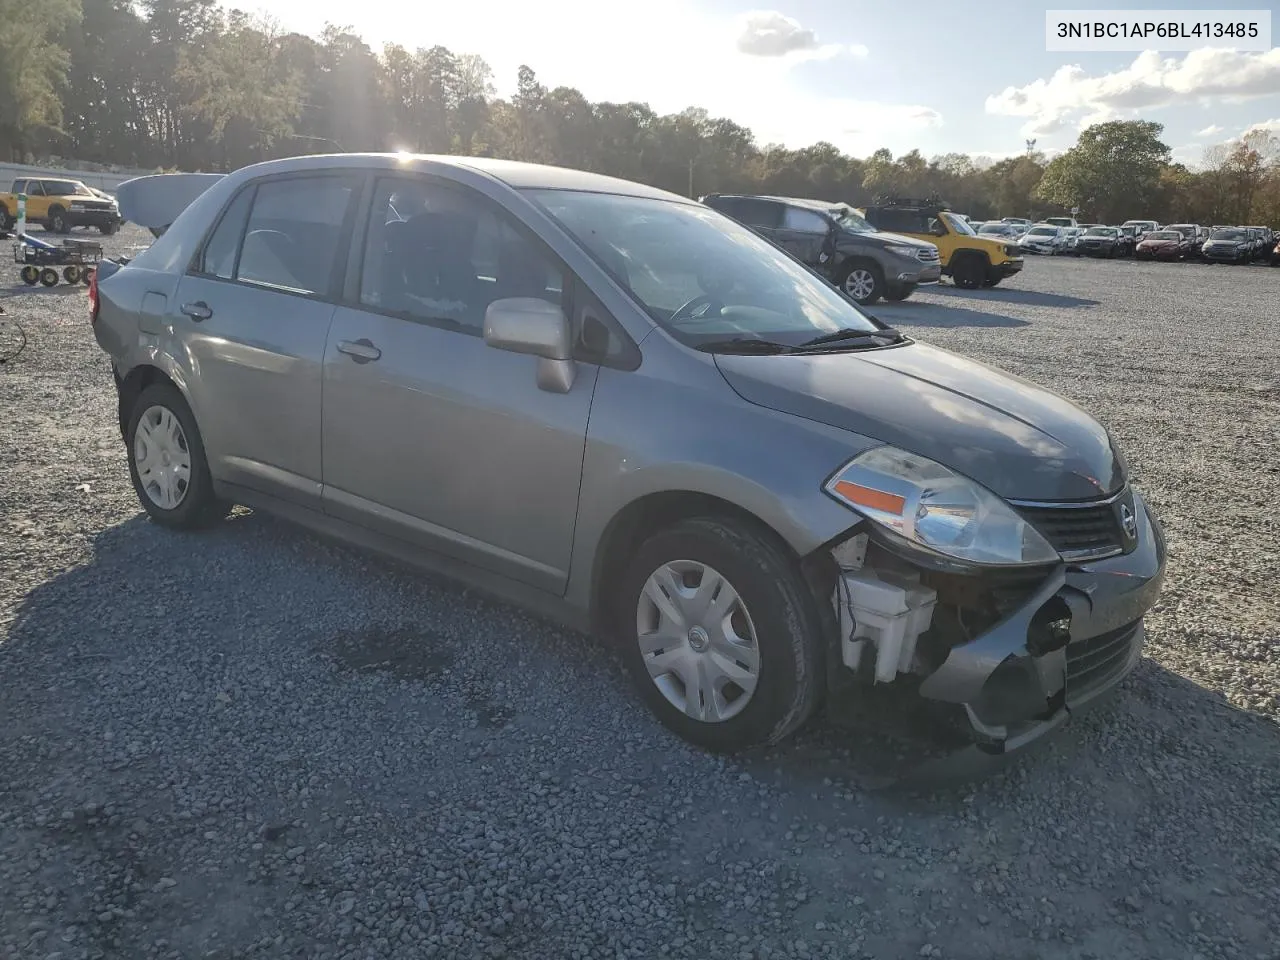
(697, 308)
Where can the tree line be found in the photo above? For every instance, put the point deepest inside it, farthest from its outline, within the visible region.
(189, 85)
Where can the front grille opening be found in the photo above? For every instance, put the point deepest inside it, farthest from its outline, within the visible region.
(1078, 531)
(1094, 662)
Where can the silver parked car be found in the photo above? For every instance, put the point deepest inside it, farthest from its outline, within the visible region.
(621, 408)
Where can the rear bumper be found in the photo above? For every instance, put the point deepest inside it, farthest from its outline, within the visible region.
(1014, 687)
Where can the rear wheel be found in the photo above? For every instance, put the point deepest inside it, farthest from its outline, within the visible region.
(722, 634)
(862, 280)
(49, 277)
(167, 461)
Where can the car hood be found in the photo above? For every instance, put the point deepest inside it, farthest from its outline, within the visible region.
(1017, 439)
(884, 238)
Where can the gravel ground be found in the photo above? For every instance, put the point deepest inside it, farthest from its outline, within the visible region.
(249, 743)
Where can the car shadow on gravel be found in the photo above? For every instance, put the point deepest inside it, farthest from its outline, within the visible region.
(866, 741)
(1030, 298)
(920, 314)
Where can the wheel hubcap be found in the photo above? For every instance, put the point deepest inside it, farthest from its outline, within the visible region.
(162, 457)
(859, 284)
(698, 641)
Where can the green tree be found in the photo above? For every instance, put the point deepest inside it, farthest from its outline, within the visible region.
(33, 70)
(1111, 173)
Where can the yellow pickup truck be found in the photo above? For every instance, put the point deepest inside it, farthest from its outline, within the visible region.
(59, 204)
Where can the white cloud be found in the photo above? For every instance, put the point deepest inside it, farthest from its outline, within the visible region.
(1269, 126)
(767, 33)
(1073, 95)
(1210, 131)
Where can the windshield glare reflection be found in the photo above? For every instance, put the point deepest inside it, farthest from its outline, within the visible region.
(700, 275)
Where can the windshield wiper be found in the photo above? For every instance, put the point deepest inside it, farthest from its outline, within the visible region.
(848, 334)
(745, 345)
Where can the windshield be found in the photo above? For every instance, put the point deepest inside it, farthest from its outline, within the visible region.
(999, 229)
(959, 226)
(1043, 232)
(1164, 235)
(700, 275)
(1101, 232)
(1227, 235)
(848, 218)
(1186, 229)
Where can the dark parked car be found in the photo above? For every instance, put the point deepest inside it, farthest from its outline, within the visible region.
(1228, 245)
(1263, 242)
(834, 240)
(1162, 245)
(1191, 231)
(1275, 253)
(1105, 242)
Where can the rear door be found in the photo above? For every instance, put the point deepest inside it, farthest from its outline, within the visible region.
(762, 216)
(430, 434)
(254, 312)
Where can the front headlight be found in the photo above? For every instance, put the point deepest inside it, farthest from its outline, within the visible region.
(902, 251)
(936, 508)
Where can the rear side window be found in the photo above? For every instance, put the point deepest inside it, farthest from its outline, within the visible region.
(219, 257)
(440, 254)
(292, 237)
(759, 213)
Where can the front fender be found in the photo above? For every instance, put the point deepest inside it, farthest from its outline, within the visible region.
(684, 430)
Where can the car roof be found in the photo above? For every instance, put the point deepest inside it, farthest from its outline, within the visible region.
(513, 173)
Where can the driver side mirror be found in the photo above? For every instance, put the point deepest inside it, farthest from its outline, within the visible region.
(538, 328)
(939, 229)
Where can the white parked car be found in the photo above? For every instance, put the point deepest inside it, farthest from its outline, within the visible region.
(1044, 238)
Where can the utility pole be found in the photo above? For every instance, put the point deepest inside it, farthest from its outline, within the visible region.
(691, 178)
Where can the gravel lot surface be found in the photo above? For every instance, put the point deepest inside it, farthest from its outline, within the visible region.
(248, 743)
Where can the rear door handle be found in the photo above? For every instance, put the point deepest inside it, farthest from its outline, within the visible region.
(197, 311)
(361, 351)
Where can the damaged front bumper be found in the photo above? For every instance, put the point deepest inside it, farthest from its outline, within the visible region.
(1066, 643)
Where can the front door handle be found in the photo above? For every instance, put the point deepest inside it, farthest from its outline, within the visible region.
(361, 351)
(197, 311)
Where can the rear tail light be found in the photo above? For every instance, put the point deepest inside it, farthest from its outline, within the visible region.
(93, 297)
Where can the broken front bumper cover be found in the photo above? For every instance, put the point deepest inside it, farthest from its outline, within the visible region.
(1015, 686)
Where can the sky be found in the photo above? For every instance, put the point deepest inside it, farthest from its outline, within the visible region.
(861, 74)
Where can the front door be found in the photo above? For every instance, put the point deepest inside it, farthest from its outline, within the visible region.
(255, 311)
(804, 234)
(430, 435)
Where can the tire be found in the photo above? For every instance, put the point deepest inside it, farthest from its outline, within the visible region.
(86, 277)
(6, 220)
(863, 281)
(190, 504)
(49, 277)
(30, 275)
(58, 222)
(773, 605)
(898, 294)
(107, 229)
(970, 273)
(71, 274)
(992, 281)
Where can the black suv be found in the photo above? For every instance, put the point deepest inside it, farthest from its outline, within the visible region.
(834, 240)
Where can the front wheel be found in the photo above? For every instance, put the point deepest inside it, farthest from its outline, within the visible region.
(722, 634)
(969, 273)
(167, 461)
(107, 229)
(58, 222)
(862, 281)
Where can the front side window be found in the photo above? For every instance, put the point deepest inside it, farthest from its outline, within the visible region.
(958, 225)
(702, 277)
(441, 254)
(804, 221)
(63, 188)
(292, 239)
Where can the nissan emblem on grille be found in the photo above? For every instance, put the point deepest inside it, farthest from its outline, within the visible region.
(1128, 522)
